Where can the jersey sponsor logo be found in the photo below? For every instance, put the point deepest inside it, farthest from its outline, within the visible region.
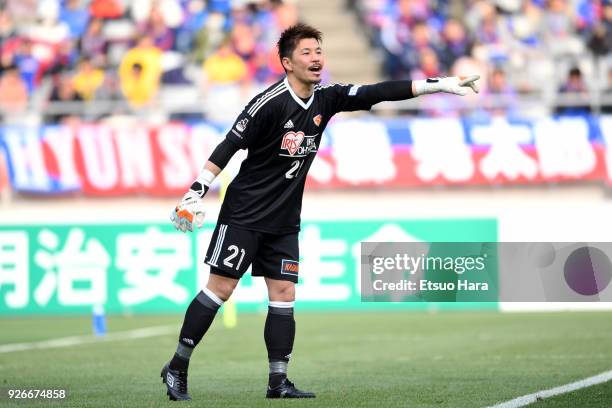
(317, 119)
(304, 147)
(289, 124)
(289, 267)
(241, 125)
(292, 141)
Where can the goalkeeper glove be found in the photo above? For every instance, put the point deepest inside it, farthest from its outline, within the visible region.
(453, 85)
(190, 208)
(188, 211)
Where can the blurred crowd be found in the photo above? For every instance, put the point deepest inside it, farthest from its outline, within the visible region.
(87, 59)
(542, 47)
(75, 53)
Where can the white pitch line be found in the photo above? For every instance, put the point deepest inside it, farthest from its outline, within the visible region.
(562, 389)
(144, 332)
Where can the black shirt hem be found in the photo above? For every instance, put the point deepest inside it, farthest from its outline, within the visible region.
(250, 227)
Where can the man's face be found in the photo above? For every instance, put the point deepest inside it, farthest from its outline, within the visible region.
(306, 62)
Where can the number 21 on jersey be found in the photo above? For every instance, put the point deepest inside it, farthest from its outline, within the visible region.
(294, 169)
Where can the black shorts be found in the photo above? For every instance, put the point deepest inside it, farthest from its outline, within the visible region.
(232, 250)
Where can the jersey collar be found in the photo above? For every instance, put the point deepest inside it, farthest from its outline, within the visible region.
(296, 98)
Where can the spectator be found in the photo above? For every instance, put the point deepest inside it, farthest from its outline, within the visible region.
(243, 41)
(195, 18)
(110, 90)
(559, 29)
(208, 39)
(456, 43)
(225, 66)
(576, 89)
(138, 87)
(87, 79)
(13, 93)
(429, 65)
(412, 11)
(499, 98)
(65, 58)
(225, 74)
(62, 94)
(421, 39)
(75, 16)
(93, 43)
(395, 39)
(586, 14)
(47, 34)
(482, 19)
(600, 41)
(140, 72)
(607, 13)
(285, 15)
(28, 65)
(265, 24)
(156, 28)
(266, 68)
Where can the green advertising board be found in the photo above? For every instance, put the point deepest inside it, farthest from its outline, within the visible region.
(152, 268)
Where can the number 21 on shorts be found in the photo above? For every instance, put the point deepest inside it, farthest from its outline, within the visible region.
(234, 251)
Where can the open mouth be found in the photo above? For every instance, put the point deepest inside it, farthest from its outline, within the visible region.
(315, 68)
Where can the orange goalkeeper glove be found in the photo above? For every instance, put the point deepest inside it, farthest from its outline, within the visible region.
(189, 211)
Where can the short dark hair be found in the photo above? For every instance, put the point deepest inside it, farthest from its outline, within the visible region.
(292, 36)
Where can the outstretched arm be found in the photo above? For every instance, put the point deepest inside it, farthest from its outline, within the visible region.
(400, 90)
(361, 97)
(190, 208)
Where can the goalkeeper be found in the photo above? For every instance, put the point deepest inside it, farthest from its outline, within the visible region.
(260, 216)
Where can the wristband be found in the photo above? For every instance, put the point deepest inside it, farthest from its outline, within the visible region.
(201, 185)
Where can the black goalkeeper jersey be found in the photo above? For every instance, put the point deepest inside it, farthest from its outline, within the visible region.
(282, 134)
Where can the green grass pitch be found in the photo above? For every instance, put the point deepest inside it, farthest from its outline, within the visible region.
(391, 359)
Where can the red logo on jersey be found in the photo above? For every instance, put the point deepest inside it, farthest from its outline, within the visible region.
(317, 119)
(292, 141)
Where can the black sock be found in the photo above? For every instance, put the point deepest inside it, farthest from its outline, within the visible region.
(275, 379)
(198, 318)
(180, 360)
(279, 334)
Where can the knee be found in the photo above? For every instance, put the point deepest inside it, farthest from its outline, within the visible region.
(221, 286)
(283, 292)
